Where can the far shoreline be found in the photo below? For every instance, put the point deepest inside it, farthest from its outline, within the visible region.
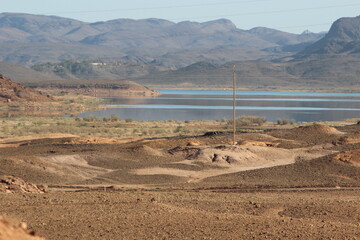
(341, 90)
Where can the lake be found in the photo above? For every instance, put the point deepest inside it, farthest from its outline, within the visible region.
(216, 105)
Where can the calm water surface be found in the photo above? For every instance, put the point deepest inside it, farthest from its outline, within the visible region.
(214, 105)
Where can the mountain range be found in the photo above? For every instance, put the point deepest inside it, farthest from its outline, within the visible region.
(158, 52)
(29, 39)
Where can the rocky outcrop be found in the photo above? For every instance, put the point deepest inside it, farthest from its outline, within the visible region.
(14, 92)
(343, 37)
(11, 184)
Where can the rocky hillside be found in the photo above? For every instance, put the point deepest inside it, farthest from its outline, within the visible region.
(21, 74)
(343, 37)
(14, 92)
(322, 72)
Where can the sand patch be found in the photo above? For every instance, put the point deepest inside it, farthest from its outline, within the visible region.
(10, 145)
(11, 231)
(77, 165)
(101, 140)
(259, 143)
(352, 140)
(35, 137)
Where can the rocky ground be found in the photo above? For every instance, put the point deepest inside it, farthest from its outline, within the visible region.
(13, 92)
(300, 183)
(12, 231)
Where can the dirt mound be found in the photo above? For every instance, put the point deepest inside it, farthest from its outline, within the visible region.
(10, 184)
(307, 135)
(317, 129)
(351, 157)
(10, 92)
(244, 155)
(143, 149)
(11, 231)
(224, 159)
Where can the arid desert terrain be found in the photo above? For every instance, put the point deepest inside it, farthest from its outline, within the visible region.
(290, 183)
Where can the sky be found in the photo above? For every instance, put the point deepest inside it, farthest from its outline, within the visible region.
(293, 16)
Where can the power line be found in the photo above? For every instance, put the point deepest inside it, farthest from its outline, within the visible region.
(213, 4)
(273, 12)
(304, 26)
(158, 8)
(227, 15)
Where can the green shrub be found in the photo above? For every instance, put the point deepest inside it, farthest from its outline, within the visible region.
(90, 119)
(114, 118)
(128, 120)
(179, 129)
(284, 122)
(248, 121)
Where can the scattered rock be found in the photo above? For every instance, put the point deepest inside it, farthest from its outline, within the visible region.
(11, 184)
(351, 157)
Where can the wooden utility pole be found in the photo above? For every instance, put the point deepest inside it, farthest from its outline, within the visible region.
(234, 104)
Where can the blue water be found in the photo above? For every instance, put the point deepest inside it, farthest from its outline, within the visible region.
(214, 105)
(255, 93)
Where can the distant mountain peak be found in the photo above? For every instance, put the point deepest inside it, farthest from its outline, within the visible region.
(343, 37)
(306, 32)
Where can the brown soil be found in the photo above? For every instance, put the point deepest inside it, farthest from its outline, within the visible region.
(308, 135)
(301, 183)
(351, 157)
(100, 140)
(13, 92)
(11, 231)
(178, 214)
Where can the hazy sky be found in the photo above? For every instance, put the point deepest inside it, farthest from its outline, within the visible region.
(287, 15)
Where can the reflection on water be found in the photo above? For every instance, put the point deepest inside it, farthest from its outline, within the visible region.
(198, 104)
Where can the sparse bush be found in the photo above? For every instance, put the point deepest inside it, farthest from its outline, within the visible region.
(284, 122)
(128, 120)
(248, 121)
(179, 129)
(114, 118)
(90, 119)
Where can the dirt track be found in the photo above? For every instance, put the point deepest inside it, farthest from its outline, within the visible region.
(280, 184)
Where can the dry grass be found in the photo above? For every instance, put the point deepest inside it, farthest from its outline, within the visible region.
(104, 127)
(114, 127)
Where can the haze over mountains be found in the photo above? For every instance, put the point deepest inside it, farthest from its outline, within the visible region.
(190, 54)
(28, 39)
